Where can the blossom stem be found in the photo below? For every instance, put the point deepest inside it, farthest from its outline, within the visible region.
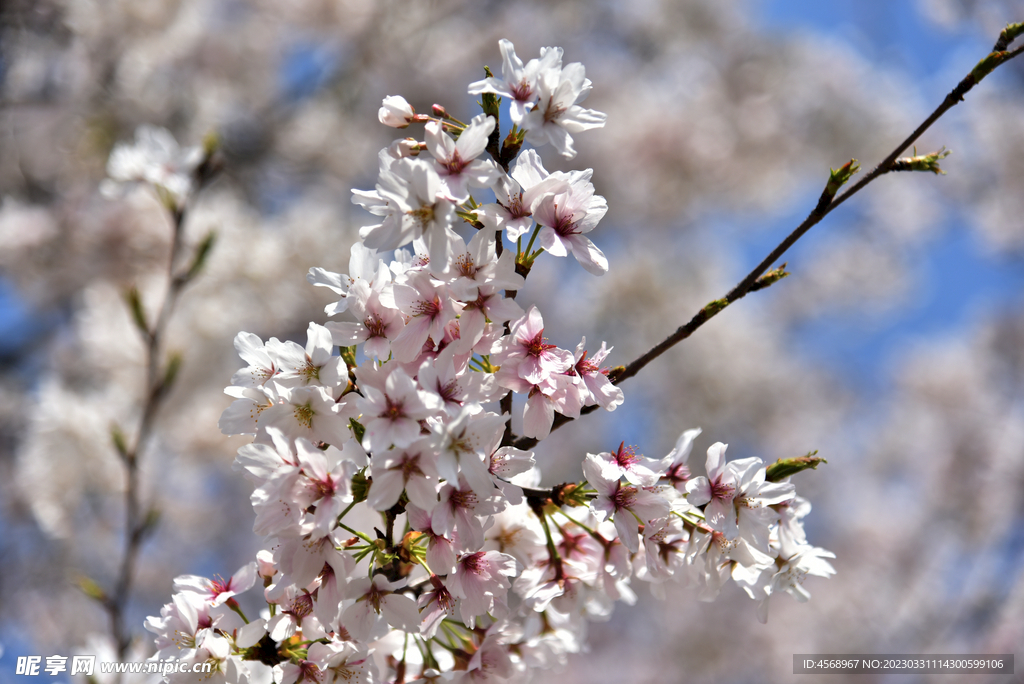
(586, 529)
(359, 534)
(552, 549)
(233, 605)
(347, 509)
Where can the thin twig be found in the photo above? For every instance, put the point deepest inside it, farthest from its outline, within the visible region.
(826, 204)
(137, 525)
(159, 378)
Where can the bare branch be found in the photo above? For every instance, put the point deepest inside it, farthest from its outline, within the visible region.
(827, 202)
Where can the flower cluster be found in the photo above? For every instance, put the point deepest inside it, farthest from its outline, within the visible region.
(405, 534)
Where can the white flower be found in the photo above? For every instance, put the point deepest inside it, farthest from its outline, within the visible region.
(377, 599)
(218, 591)
(567, 215)
(456, 161)
(629, 505)
(809, 560)
(392, 416)
(557, 113)
(480, 580)
(519, 83)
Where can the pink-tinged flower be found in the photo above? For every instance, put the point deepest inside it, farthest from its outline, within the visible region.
(664, 548)
(262, 366)
(464, 446)
(519, 83)
(524, 353)
(626, 463)
(565, 217)
(295, 612)
(396, 112)
(441, 549)
(445, 375)
(217, 591)
(316, 364)
(516, 194)
(181, 624)
(490, 662)
(717, 491)
(488, 307)
(330, 595)
(343, 663)
(376, 326)
(429, 310)
(308, 412)
(674, 464)
(298, 672)
(411, 469)
(628, 505)
(557, 393)
(754, 499)
(456, 161)
(480, 580)
(363, 265)
(600, 389)
(326, 483)
(392, 417)
(377, 599)
(435, 604)
(557, 113)
(464, 510)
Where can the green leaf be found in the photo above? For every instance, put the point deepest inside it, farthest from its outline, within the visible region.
(134, 301)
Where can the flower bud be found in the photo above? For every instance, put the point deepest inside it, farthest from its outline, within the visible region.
(404, 147)
(395, 112)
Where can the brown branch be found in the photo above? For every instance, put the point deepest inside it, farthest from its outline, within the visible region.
(827, 202)
(159, 378)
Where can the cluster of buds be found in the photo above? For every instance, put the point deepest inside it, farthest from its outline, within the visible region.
(406, 538)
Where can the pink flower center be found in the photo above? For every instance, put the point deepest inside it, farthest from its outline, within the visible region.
(455, 164)
(302, 606)
(586, 366)
(393, 409)
(375, 326)
(536, 346)
(564, 224)
(475, 564)
(624, 498)
(461, 499)
(522, 91)
(626, 456)
(721, 490)
(429, 308)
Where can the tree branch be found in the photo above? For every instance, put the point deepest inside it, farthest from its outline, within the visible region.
(827, 202)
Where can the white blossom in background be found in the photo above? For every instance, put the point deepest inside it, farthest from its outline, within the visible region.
(157, 159)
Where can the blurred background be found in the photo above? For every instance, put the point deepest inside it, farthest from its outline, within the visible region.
(896, 349)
